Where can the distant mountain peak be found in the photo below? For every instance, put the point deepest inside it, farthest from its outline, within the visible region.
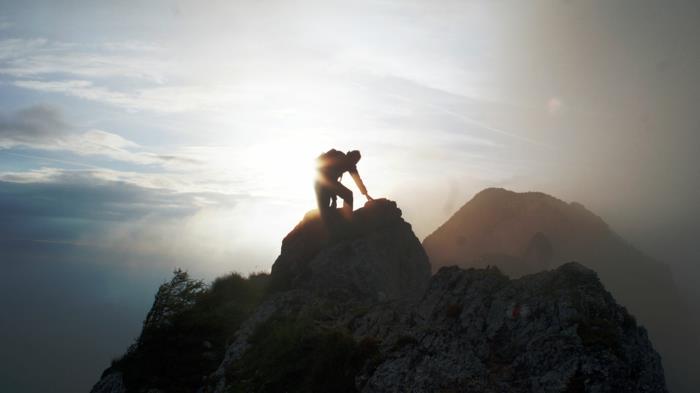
(497, 221)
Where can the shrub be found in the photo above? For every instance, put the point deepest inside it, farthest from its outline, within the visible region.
(185, 333)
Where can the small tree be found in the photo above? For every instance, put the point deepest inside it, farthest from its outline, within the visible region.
(172, 298)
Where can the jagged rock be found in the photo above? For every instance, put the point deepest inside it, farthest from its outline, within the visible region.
(472, 330)
(362, 287)
(478, 331)
(336, 265)
(373, 255)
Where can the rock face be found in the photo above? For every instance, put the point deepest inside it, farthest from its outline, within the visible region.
(352, 308)
(470, 331)
(479, 331)
(373, 255)
(334, 266)
(524, 233)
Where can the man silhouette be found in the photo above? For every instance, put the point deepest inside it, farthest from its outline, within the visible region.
(331, 166)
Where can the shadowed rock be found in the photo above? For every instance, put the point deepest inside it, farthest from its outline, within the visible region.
(477, 330)
(473, 330)
(374, 254)
(354, 310)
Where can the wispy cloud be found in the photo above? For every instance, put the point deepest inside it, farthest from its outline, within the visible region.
(133, 75)
(167, 99)
(43, 127)
(38, 57)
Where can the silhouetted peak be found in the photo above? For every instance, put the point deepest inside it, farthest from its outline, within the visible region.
(497, 193)
(374, 253)
(492, 192)
(506, 223)
(495, 196)
(314, 232)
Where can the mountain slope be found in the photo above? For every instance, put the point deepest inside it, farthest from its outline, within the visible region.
(351, 307)
(524, 233)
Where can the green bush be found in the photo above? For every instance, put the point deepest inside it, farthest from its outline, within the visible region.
(185, 333)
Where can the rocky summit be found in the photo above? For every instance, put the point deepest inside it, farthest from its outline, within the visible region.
(350, 306)
(374, 254)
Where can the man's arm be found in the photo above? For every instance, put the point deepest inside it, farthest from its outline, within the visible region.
(358, 180)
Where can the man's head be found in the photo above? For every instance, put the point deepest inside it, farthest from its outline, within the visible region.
(354, 156)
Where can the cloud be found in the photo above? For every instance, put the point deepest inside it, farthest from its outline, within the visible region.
(94, 210)
(167, 99)
(43, 127)
(59, 205)
(38, 57)
(183, 184)
(39, 123)
(89, 195)
(91, 72)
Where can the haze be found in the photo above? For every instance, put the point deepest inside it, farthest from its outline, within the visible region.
(135, 138)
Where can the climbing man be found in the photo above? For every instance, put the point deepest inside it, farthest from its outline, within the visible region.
(331, 165)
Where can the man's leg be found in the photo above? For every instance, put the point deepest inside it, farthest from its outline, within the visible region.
(345, 193)
(323, 197)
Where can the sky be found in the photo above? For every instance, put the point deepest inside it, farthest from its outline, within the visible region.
(137, 137)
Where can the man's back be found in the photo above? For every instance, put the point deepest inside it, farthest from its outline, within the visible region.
(333, 163)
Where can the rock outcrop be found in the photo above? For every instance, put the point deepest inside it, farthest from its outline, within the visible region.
(332, 266)
(352, 308)
(374, 255)
(479, 331)
(525, 233)
(470, 331)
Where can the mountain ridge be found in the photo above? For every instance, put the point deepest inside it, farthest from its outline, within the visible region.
(354, 309)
